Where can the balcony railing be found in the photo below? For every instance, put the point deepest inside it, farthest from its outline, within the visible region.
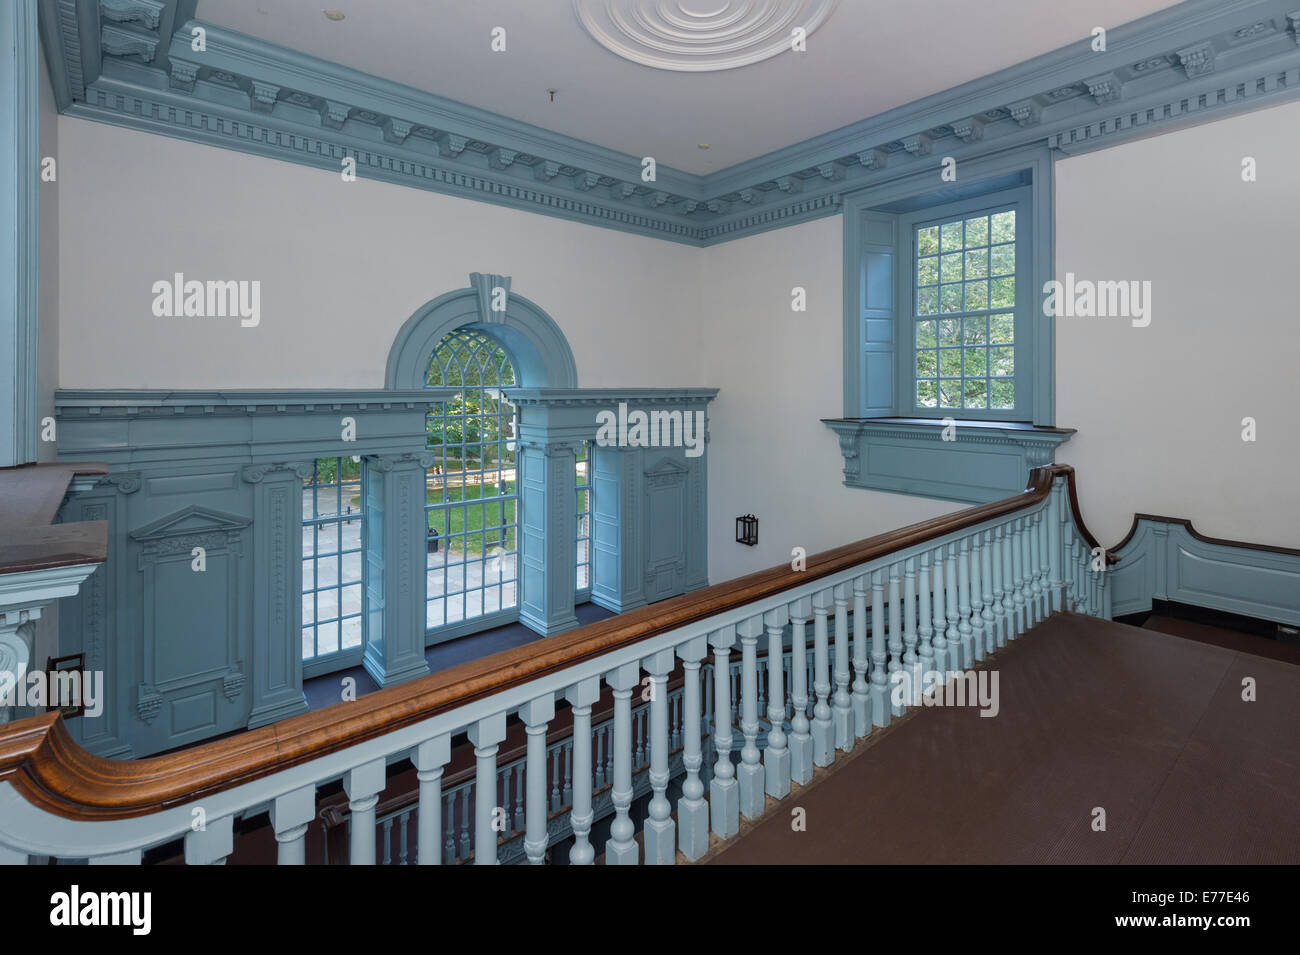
(935, 596)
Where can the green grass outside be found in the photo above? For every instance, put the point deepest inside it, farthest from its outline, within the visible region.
(480, 523)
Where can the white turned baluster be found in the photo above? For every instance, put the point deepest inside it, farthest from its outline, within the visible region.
(750, 772)
(660, 832)
(940, 641)
(1103, 583)
(897, 695)
(880, 709)
(911, 662)
(290, 815)
(925, 632)
(1044, 562)
(1055, 576)
(1081, 570)
(127, 857)
(621, 847)
(1018, 569)
(486, 735)
(776, 758)
(965, 656)
(1009, 580)
(861, 698)
(842, 703)
(999, 632)
(363, 786)
(724, 797)
(976, 600)
(951, 602)
(801, 748)
(1027, 554)
(1035, 568)
(581, 697)
(430, 757)
(823, 731)
(215, 841)
(692, 810)
(536, 716)
(986, 594)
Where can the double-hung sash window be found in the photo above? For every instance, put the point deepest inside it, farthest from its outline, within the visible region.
(966, 310)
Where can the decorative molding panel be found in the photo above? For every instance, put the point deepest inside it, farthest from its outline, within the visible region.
(1189, 63)
(1166, 558)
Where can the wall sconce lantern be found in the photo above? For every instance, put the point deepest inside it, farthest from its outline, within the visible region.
(747, 530)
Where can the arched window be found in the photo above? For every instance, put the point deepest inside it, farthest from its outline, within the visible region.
(472, 510)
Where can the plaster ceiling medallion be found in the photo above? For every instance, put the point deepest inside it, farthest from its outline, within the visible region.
(699, 35)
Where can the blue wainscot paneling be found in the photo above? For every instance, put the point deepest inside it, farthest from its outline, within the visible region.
(190, 652)
(972, 462)
(1165, 558)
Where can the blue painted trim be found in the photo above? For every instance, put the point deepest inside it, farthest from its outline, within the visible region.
(263, 99)
(537, 348)
(19, 251)
(859, 206)
(1165, 558)
(986, 461)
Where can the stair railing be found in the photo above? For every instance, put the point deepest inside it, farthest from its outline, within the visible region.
(942, 595)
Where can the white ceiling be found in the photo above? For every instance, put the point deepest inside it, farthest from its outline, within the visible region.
(869, 56)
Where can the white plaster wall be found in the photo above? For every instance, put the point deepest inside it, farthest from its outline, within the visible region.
(780, 373)
(342, 266)
(1159, 409)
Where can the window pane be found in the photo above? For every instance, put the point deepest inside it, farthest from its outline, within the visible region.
(952, 267)
(1002, 361)
(976, 362)
(1002, 394)
(951, 237)
(927, 364)
(977, 231)
(977, 296)
(927, 270)
(977, 264)
(974, 331)
(950, 393)
(976, 395)
(1002, 293)
(950, 362)
(927, 301)
(927, 240)
(1004, 226)
(927, 394)
(948, 329)
(952, 298)
(1001, 329)
(1002, 259)
(925, 335)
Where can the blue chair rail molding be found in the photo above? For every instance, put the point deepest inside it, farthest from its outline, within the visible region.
(1166, 558)
(984, 460)
(1193, 61)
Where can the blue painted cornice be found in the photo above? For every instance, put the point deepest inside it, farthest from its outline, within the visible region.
(1199, 60)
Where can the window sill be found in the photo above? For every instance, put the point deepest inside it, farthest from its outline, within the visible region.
(984, 460)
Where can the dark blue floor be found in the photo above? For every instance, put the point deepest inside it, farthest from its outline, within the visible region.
(324, 690)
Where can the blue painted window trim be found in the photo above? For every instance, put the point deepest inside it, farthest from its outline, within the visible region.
(584, 488)
(19, 249)
(866, 209)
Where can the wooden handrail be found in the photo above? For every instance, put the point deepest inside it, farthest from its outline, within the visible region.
(41, 760)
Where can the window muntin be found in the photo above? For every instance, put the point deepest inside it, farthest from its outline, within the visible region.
(472, 496)
(333, 560)
(964, 309)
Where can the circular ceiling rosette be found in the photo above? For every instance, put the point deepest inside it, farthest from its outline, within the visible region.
(699, 35)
